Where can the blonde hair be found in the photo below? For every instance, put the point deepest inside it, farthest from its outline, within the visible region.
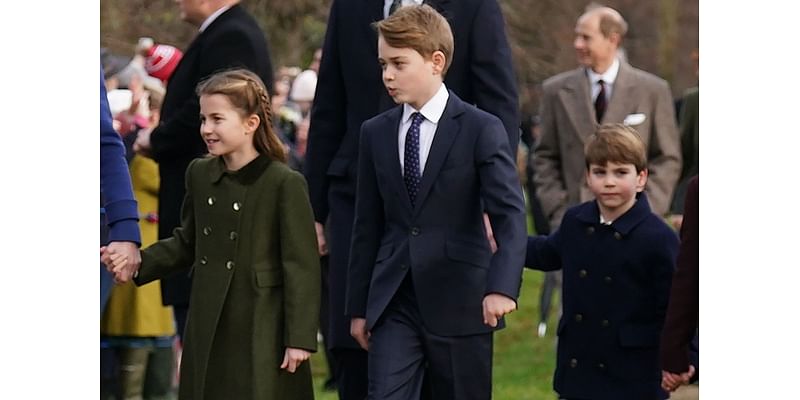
(420, 28)
(248, 94)
(616, 143)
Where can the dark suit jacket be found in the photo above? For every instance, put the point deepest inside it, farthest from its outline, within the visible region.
(121, 213)
(441, 239)
(683, 311)
(232, 40)
(615, 294)
(350, 89)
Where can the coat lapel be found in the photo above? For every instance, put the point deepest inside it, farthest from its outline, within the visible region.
(622, 98)
(446, 132)
(393, 156)
(576, 99)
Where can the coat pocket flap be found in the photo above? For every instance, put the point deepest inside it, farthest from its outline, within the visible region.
(469, 253)
(269, 278)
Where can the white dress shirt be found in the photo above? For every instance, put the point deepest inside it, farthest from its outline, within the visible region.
(608, 78)
(388, 4)
(432, 111)
(212, 17)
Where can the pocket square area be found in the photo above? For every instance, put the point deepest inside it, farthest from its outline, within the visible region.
(634, 119)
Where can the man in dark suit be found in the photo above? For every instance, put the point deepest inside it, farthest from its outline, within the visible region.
(349, 91)
(683, 312)
(228, 37)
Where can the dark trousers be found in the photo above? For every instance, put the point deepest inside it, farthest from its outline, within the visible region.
(351, 377)
(402, 351)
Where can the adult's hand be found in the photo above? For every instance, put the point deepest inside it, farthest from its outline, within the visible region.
(322, 244)
(128, 251)
(358, 330)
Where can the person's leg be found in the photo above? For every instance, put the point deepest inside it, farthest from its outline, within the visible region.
(351, 359)
(159, 373)
(459, 367)
(132, 367)
(396, 357)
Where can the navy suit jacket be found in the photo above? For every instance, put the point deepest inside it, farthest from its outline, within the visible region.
(441, 239)
(615, 293)
(122, 216)
(350, 89)
(234, 39)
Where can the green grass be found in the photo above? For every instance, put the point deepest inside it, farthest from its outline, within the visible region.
(523, 363)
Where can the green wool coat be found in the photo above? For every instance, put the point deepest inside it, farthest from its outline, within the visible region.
(249, 238)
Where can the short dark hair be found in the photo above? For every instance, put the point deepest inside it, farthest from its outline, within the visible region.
(420, 28)
(616, 143)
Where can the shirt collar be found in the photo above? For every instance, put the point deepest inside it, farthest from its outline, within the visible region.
(212, 17)
(247, 174)
(433, 109)
(608, 77)
(590, 214)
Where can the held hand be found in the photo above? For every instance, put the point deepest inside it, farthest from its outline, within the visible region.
(496, 306)
(671, 381)
(293, 357)
(358, 330)
(128, 261)
(489, 233)
(322, 244)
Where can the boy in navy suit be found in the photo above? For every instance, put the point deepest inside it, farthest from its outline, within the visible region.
(618, 258)
(424, 288)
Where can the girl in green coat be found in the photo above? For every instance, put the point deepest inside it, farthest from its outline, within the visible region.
(247, 239)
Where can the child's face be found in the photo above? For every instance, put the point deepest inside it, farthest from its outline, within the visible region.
(615, 185)
(222, 127)
(408, 76)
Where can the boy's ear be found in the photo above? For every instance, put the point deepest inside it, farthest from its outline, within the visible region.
(641, 180)
(439, 60)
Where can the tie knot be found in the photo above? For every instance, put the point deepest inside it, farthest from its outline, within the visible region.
(601, 82)
(416, 118)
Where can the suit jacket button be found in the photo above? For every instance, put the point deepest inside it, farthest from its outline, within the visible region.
(582, 273)
(590, 230)
(607, 279)
(403, 266)
(237, 206)
(211, 200)
(415, 231)
(573, 363)
(233, 235)
(601, 366)
(229, 265)
(605, 323)
(617, 235)
(578, 317)
(203, 260)
(207, 230)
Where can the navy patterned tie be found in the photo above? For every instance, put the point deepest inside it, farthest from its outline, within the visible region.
(411, 170)
(600, 102)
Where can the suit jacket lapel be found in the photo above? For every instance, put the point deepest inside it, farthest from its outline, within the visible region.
(446, 132)
(577, 101)
(393, 158)
(622, 99)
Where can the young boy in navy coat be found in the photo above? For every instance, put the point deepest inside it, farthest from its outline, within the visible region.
(618, 259)
(424, 288)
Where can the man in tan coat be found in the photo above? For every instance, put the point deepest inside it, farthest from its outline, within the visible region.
(603, 90)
